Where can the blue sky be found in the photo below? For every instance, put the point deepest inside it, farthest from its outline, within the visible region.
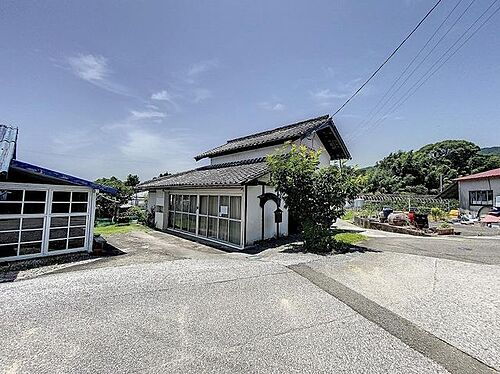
(100, 88)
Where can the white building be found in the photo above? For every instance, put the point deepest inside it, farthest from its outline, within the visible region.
(230, 201)
(42, 212)
(478, 193)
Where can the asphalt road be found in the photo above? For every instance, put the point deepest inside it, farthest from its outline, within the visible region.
(170, 305)
(480, 250)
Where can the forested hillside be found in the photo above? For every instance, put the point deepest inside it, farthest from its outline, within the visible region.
(490, 151)
(419, 171)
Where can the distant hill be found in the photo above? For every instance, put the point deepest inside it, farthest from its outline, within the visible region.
(421, 171)
(490, 151)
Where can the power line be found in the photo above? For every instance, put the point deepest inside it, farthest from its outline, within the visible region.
(388, 58)
(425, 77)
(376, 109)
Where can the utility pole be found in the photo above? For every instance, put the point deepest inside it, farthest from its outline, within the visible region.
(441, 183)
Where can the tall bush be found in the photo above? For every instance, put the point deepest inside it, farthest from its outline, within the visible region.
(315, 196)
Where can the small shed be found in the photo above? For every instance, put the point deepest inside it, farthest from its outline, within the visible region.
(42, 212)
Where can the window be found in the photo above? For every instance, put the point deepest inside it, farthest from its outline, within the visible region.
(29, 225)
(64, 202)
(483, 197)
(68, 226)
(21, 221)
(182, 212)
(212, 216)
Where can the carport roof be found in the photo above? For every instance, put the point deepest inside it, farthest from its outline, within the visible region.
(235, 173)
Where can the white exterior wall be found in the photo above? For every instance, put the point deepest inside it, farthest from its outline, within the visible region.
(245, 155)
(254, 216)
(315, 143)
(464, 187)
(160, 209)
(312, 142)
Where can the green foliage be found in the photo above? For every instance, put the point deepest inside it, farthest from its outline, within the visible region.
(315, 196)
(107, 207)
(133, 213)
(490, 151)
(372, 208)
(419, 171)
(132, 180)
(350, 237)
(118, 229)
(150, 218)
(438, 214)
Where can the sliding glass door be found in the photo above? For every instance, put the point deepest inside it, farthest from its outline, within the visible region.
(216, 217)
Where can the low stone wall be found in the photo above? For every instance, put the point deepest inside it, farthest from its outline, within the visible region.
(368, 223)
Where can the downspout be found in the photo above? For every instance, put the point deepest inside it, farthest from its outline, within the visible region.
(246, 216)
(263, 207)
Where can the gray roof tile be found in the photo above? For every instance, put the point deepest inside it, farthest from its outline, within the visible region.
(278, 135)
(226, 174)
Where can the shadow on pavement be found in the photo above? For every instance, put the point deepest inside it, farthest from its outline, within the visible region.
(9, 271)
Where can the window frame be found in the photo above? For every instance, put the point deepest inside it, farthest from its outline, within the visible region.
(476, 202)
(47, 216)
(173, 212)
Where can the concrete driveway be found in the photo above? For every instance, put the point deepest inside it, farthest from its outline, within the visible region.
(170, 305)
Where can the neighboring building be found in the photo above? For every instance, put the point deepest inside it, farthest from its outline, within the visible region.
(42, 212)
(139, 199)
(228, 201)
(478, 193)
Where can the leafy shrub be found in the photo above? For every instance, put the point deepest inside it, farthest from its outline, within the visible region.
(150, 218)
(315, 196)
(438, 214)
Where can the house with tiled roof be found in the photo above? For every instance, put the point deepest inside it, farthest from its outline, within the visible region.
(230, 201)
(479, 192)
(42, 212)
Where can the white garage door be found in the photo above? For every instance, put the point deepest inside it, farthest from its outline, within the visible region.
(39, 220)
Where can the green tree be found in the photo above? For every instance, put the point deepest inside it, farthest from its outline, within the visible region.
(420, 172)
(132, 180)
(315, 196)
(108, 207)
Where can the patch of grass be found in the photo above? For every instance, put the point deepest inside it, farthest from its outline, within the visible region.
(350, 237)
(119, 229)
(348, 215)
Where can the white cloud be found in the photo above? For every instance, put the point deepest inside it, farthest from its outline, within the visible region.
(162, 96)
(159, 151)
(166, 96)
(147, 114)
(95, 70)
(89, 67)
(277, 107)
(201, 94)
(201, 67)
(327, 94)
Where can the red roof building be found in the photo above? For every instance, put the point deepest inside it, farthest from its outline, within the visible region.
(495, 173)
